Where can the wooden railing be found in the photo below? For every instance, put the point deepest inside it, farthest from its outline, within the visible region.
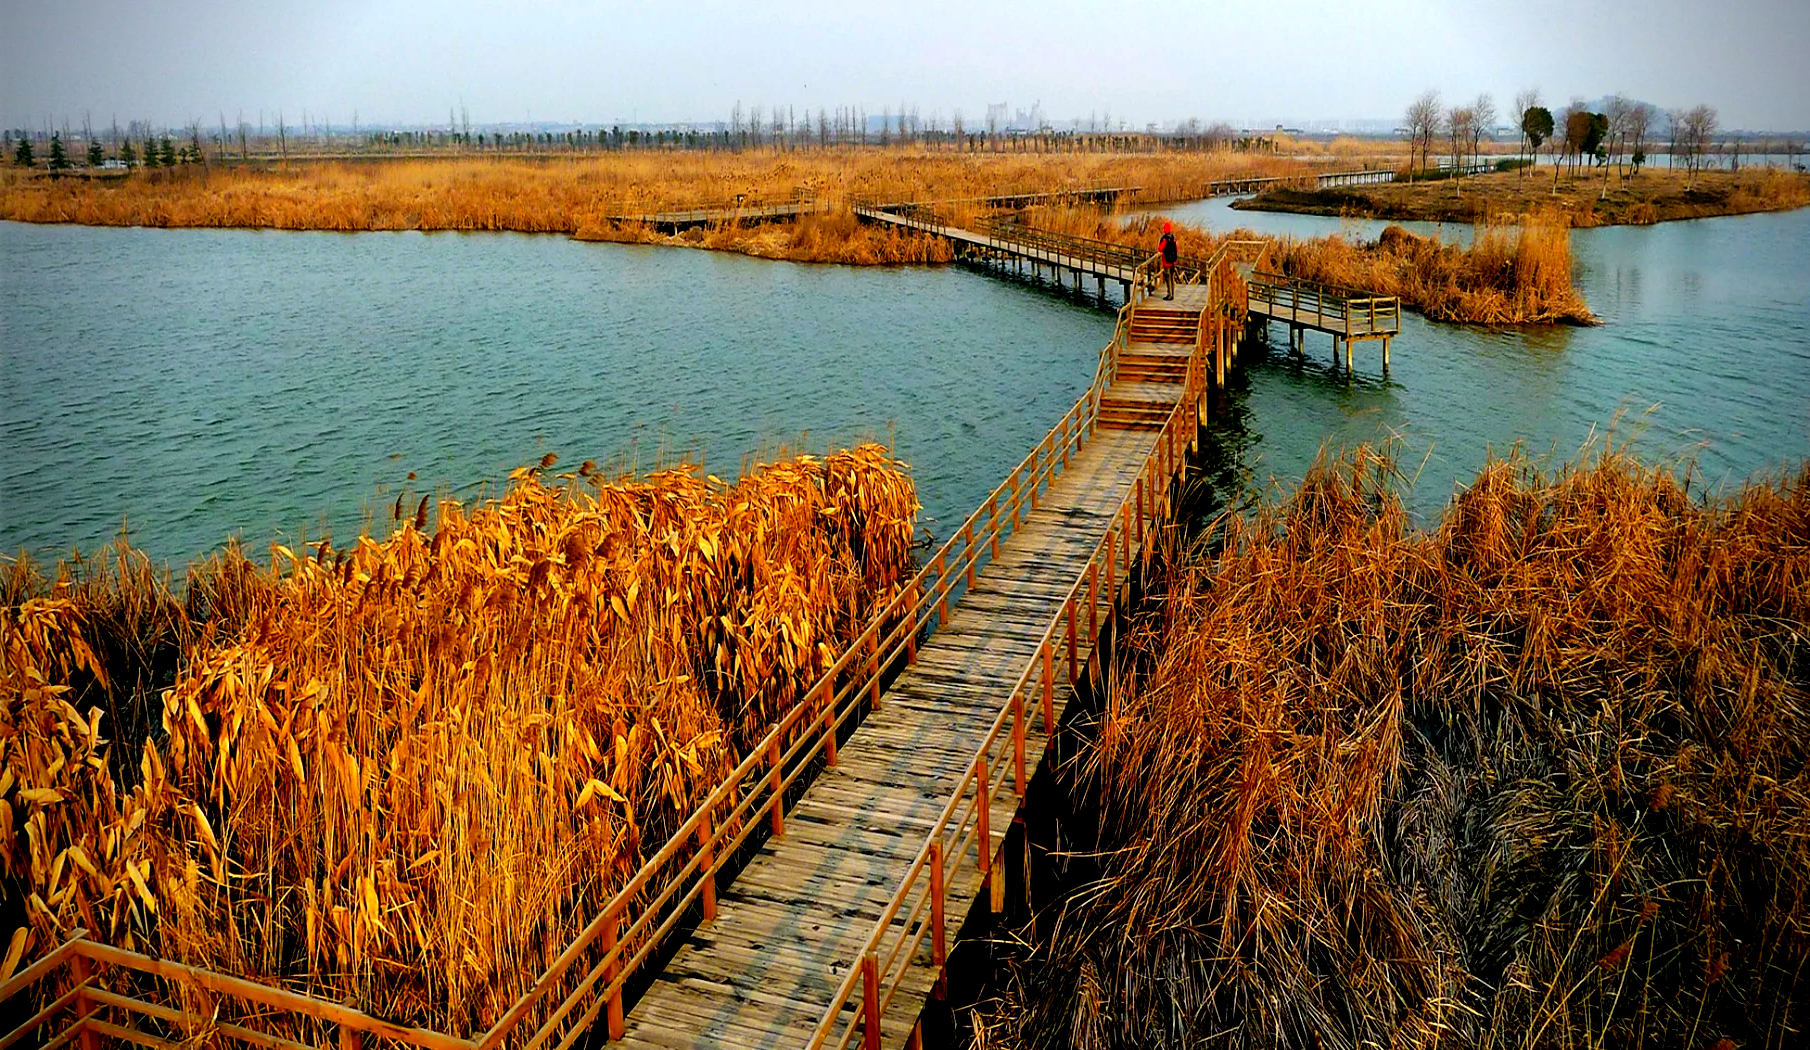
(94, 1009)
(1344, 311)
(961, 833)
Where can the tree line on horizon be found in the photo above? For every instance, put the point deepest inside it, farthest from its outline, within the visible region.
(1622, 134)
(780, 128)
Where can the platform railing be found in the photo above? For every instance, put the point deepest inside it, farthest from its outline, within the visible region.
(1335, 308)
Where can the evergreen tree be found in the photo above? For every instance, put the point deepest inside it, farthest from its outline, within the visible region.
(127, 155)
(96, 155)
(59, 159)
(22, 156)
(149, 154)
(169, 153)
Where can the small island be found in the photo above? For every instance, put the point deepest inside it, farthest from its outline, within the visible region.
(1582, 198)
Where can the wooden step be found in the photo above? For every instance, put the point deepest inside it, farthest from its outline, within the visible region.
(1116, 421)
(1158, 369)
(1134, 415)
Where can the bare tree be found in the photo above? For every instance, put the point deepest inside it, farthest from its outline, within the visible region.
(1639, 121)
(1576, 127)
(1422, 124)
(1697, 129)
(1483, 122)
(1525, 99)
(1457, 126)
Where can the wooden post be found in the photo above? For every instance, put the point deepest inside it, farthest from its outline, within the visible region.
(938, 916)
(992, 531)
(80, 969)
(779, 792)
(1093, 603)
(1219, 359)
(613, 1006)
(349, 1038)
(1385, 353)
(1140, 517)
(1073, 673)
(706, 867)
(983, 804)
(968, 557)
(942, 590)
(1049, 688)
(1018, 730)
(873, 668)
(1126, 533)
(828, 702)
(870, 1002)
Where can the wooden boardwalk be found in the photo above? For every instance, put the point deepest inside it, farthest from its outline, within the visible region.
(798, 916)
(1349, 316)
(794, 921)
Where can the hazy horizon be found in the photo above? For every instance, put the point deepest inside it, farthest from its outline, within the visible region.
(399, 64)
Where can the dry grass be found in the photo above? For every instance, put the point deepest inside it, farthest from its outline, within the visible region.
(1579, 200)
(579, 196)
(1535, 778)
(1510, 274)
(404, 774)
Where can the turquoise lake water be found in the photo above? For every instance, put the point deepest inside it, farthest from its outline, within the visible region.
(196, 384)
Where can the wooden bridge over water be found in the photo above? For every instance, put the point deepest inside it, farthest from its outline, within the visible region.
(813, 898)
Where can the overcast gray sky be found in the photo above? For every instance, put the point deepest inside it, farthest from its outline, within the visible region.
(396, 62)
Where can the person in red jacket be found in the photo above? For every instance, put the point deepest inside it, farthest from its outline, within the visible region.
(1166, 248)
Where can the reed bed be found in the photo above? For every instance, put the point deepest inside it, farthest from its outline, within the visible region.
(1533, 778)
(582, 196)
(1511, 273)
(1579, 199)
(404, 774)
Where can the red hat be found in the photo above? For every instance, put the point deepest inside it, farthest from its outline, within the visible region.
(1168, 227)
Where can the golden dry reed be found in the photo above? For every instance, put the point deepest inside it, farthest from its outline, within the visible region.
(1509, 274)
(1534, 778)
(411, 770)
(583, 196)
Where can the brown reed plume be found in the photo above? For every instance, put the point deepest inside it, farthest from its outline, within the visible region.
(1511, 273)
(1535, 778)
(417, 766)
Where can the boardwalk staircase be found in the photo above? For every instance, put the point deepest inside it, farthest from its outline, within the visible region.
(1152, 367)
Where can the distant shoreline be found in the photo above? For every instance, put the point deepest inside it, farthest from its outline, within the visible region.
(1649, 197)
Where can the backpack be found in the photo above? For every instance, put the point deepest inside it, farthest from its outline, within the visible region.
(1168, 247)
